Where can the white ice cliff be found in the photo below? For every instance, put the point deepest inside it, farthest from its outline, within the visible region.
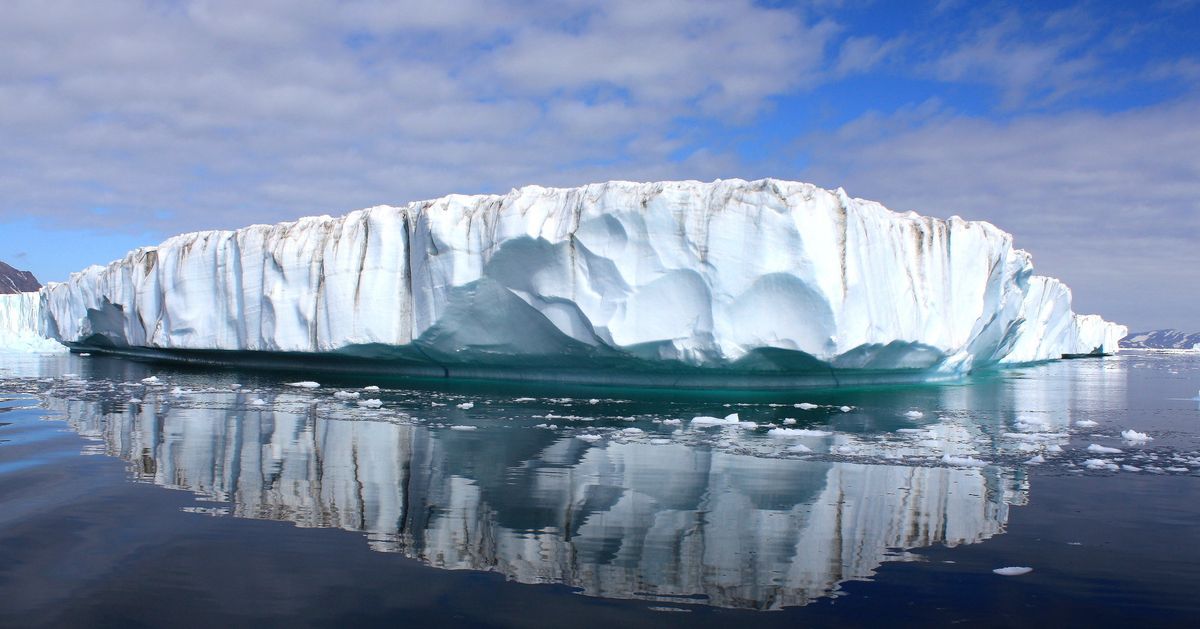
(21, 324)
(762, 277)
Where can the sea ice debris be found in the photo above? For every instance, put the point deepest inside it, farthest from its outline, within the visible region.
(1134, 436)
(962, 461)
(729, 420)
(797, 432)
(1013, 571)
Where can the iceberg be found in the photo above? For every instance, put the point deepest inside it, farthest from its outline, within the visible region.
(760, 284)
(21, 325)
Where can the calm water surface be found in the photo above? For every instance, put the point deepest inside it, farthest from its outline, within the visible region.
(197, 498)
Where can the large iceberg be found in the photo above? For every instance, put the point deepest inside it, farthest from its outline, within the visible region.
(730, 283)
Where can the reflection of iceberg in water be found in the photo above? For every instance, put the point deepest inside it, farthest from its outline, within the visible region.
(666, 522)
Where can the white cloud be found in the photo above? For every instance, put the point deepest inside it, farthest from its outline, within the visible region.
(225, 112)
(1110, 203)
(1030, 57)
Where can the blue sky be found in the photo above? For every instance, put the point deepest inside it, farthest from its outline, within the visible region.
(1073, 125)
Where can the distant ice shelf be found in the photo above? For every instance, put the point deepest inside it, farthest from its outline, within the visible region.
(728, 283)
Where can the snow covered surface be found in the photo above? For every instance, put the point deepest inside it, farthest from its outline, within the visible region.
(757, 277)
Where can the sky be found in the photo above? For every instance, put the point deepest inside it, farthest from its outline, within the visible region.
(1075, 126)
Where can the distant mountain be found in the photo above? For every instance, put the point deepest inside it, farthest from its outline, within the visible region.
(1162, 339)
(14, 281)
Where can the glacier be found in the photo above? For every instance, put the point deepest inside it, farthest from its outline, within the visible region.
(764, 284)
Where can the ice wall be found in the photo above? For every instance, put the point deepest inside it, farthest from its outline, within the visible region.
(21, 325)
(766, 275)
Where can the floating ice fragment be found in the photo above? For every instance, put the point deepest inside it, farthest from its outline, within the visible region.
(370, 388)
(1087, 423)
(914, 414)
(589, 438)
(788, 421)
(1134, 436)
(633, 431)
(1099, 449)
(258, 402)
(799, 447)
(962, 461)
(303, 384)
(729, 420)
(462, 427)
(466, 406)
(1100, 464)
(371, 403)
(660, 442)
(235, 386)
(150, 380)
(806, 406)
(1054, 447)
(1036, 460)
(797, 432)
(593, 401)
(846, 409)
(134, 400)
(1013, 571)
(1131, 468)
(672, 422)
(346, 395)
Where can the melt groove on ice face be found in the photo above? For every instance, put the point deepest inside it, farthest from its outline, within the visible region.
(764, 276)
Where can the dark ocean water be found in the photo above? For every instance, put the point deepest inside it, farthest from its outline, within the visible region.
(229, 498)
